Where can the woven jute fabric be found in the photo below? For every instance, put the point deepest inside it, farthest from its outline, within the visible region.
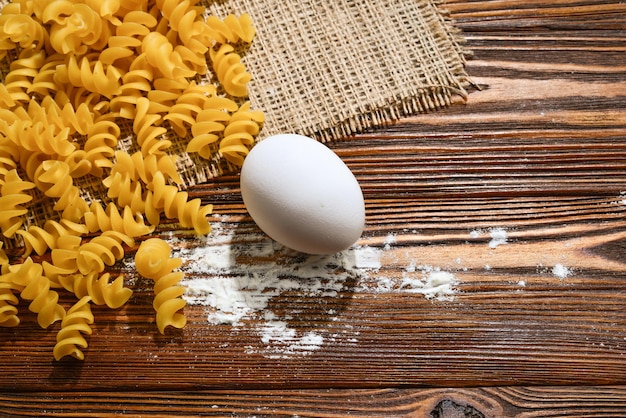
(330, 69)
(323, 69)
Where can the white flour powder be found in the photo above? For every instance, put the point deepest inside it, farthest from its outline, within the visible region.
(237, 274)
(499, 236)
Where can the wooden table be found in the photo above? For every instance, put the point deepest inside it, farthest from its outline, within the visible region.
(537, 322)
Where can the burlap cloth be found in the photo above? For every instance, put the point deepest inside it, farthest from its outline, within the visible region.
(333, 68)
(327, 70)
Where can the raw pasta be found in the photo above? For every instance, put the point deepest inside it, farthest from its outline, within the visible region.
(70, 338)
(81, 70)
(153, 262)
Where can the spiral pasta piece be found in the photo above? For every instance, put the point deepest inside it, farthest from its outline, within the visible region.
(19, 29)
(232, 29)
(12, 197)
(136, 83)
(91, 74)
(128, 36)
(22, 73)
(188, 104)
(167, 199)
(110, 219)
(53, 178)
(8, 300)
(230, 71)
(126, 191)
(34, 286)
(70, 338)
(102, 250)
(209, 127)
(101, 290)
(74, 27)
(161, 55)
(140, 167)
(239, 134)
(39, 137)
(44, 82)
(102, 139)
(153, 260)
(43, 239)
(9, 155)
(149, 134)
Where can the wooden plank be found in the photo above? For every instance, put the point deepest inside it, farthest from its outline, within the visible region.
(512, 321)
(537, 153)
(437, 403)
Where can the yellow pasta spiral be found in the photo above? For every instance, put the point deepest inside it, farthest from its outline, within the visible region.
(128, 36)
(232, 29)
(230, 71)
(22, 72)
(153, 261)
(161, 55)
(127, 191)
(136, 83)
(12, 196)
(178, 13)
(110, 219)
(53, 178)
(167, 199)
(70, 338)
(101, 290)
(44, 82)
(34, 286)
(40, 239)
(188, 104)
(149, 134)
(209, 126)
(91, 74)
(18, 28)
(140, 167)
(239, 134)
(8, 300)
(74, 27)
(102, 250)
(102, 139)
(9, 154)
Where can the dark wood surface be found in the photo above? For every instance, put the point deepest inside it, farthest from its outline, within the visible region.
(539, 149)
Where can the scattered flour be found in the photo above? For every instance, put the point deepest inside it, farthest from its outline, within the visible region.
(237, 274)
(498, 236)
(560, 271)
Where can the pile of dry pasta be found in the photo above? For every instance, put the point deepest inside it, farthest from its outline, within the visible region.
(79, 69)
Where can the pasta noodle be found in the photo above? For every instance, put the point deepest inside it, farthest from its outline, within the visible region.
(153, 262)
(110, 219)
(69, 338)
(230, 71)
(12, 197)
(232, 29)
(100, 289)
(28, 278)
(75, 192)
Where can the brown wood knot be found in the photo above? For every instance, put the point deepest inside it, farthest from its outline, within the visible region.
(448, 408)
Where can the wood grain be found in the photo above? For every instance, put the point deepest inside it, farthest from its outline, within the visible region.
(538, 150)
(435, 403)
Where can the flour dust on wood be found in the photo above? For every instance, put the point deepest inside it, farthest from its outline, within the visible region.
(238, 274)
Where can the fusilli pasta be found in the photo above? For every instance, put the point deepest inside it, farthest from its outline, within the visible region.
(70, 338)
(153, 262)
(81, 71)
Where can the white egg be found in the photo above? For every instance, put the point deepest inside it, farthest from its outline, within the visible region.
(301, 194)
